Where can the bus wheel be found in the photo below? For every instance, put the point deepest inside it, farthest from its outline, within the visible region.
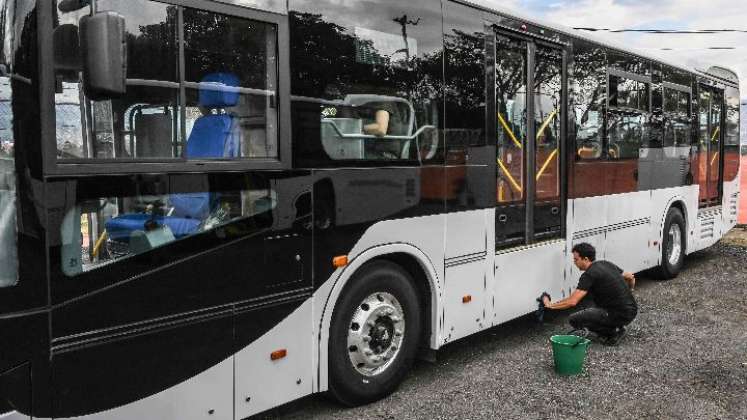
(673, 245)
(374, 334)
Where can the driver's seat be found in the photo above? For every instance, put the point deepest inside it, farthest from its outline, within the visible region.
(215, 135)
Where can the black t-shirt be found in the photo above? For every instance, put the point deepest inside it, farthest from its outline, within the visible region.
(605, 281)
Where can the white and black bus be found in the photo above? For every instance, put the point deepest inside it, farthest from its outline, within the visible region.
(211, 208)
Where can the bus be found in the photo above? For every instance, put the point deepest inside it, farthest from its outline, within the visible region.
(209, 208)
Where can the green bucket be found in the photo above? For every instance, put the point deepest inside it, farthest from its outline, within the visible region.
(569, 352)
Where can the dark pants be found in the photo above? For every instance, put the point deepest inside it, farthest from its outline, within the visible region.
(597, 320)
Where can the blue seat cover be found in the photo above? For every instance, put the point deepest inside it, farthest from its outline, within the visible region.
(212, 136)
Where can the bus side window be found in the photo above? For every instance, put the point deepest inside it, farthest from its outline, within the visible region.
(224, 100)
(8, 235)
(101, 231)
(589, 95)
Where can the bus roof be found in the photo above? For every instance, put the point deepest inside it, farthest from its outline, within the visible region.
(716, 72)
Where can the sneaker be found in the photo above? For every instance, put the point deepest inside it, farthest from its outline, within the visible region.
(615, 338)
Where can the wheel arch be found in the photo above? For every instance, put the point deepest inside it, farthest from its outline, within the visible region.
(677, 202)
(412, 260)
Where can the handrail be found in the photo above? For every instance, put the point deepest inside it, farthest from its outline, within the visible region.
(370, 136)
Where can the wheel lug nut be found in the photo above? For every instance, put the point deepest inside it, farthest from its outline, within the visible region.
(368, 352)
(394, 348)
(370, 323)
(396, 319)
(366, 338)
(398, 333)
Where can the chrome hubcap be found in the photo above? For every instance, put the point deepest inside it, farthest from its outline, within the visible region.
(674, 247)
(375, 334)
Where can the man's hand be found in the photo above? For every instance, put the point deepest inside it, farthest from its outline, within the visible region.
(546, 300)
(566, 303)
(630, 280)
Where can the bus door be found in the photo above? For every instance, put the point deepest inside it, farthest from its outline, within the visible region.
(528, 133)
(530, 93)
(710, 145)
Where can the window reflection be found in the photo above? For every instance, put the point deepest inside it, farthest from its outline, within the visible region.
(677, 111)
(588, 89)
(547, 102)
(221, 105)
(18, 96)
(366, 86)
(628, 93)
(511, 95)
(627, 132)
(102, 231)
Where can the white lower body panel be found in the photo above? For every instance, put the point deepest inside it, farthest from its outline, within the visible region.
(523, 274)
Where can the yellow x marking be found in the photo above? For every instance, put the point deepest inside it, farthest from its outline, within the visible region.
(511, 134)
(510, 178)
(547, 163)
(545, 124)
(509, 131)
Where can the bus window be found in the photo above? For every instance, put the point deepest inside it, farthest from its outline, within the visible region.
(353, 129)
(104, 230)
(366, 86)
(68, 123)
(627, 124)
(731, 140)
(628, 94)
(8, 253)
(239, 57)
(588, 97)
(627, 132)
(221, 105)
(677, 130)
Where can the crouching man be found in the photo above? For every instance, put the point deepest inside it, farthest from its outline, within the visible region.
(611, 288)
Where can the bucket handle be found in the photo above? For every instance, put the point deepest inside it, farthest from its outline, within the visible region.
(580, 340)
(574, 345)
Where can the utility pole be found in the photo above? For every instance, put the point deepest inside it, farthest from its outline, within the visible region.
(404, 21)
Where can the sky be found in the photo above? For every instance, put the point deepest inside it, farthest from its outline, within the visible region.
(657, 14)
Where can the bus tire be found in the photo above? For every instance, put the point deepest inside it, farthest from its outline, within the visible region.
(374, 334)
(672, 245)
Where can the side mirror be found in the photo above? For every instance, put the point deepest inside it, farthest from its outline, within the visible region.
(103, 46)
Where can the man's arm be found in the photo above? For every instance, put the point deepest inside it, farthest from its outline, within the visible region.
(630, 279)
(566, 303)
(381, 126)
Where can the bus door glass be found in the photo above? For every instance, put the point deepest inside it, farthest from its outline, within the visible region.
(528, 171)
(548, 81)
(8, 249)
(709, 144)
(715, 148)
(511, 98)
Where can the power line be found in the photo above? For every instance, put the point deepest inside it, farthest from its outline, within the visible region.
(665, 31)
(696, 49)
